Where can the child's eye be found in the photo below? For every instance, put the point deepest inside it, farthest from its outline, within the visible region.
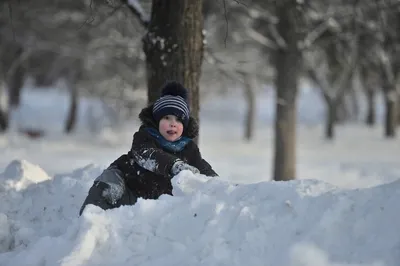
(166, 117)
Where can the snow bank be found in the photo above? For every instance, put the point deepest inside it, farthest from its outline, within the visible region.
(20, 174)
(208, 222)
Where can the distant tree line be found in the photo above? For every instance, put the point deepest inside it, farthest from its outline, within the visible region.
(342, 47)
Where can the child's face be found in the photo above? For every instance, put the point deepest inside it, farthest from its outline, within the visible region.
(170, 127)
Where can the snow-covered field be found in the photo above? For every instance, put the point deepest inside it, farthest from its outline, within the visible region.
(341, 211)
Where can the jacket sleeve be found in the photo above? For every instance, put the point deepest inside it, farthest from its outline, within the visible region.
(95, 197)
(109, 180)
(204, 167)
(146, 154)
(109, 191)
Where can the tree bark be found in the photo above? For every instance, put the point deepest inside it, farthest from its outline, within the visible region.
(371, 112)
(368, 81)
(354, 104)
(398, 110)
(15, 82)
(331, 119)
(391, 114)
(3, 110)
(70, 123)
(288, 64)
(173, 46)
(342, 112)
(3, 121)
(251, 106)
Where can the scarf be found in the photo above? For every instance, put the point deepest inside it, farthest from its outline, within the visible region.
(173, 146)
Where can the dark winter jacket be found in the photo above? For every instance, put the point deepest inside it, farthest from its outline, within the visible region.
(145, 171)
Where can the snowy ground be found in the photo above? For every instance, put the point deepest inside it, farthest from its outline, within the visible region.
(341, 211)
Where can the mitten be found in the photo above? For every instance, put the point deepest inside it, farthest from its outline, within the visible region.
(112, 193)
(112, 184)
(180, 165)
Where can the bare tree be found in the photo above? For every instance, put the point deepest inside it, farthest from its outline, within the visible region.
(390, 65)
(380, 21)
(288, 66)
(173, 45)
(338, 66)
(92, 38)
(370, 82)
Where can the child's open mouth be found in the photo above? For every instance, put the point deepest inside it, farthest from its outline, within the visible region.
(171, 132)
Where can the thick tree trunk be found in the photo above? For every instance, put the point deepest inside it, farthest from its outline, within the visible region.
(288, 64)
(173, 46)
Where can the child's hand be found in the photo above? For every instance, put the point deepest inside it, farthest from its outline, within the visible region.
(112, 193)
(181, 165)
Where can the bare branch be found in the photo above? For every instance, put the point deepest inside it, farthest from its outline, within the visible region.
(109, 15)
(91, 17)
(136, 9)
(240, 3)
(227, 23)
(346, 73)
(319, 81)
(261, 39)
(313, 35)
(11, 20)
(280, 41)
(387, 66)
(333, 92)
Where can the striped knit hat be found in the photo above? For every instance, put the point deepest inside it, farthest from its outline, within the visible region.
(173, 101)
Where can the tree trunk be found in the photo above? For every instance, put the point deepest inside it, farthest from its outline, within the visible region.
(15, 82)
(330, 119)
(371, 113)
(173, 46)
(288, 64)
(3, 110)
(251, 106)
(70, 123)
(368, 81)
(3, 121)
(355, 106)
(398, 110)
(391, 114)
(342, 112)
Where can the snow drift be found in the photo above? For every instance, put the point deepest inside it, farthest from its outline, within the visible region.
(207, 222)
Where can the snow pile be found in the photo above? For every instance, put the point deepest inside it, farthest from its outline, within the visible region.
(20, 174)
(207, 222)
(34, 206)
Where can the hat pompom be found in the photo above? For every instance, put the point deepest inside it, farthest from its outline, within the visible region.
(174, 88)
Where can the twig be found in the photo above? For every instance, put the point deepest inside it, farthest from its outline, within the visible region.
(144, 20)
(11, 21)
(227, 23)
(91, 17)
(240, 3)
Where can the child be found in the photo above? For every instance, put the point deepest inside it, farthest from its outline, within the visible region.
(161, 148)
